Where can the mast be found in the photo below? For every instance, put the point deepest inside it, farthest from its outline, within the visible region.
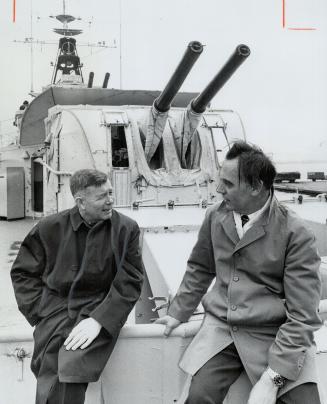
(32, 51)
(68, 61)
(120, 46)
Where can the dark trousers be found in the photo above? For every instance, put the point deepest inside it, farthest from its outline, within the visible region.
(211, 383)
(50, 336)
(67, 393)
(75, 369)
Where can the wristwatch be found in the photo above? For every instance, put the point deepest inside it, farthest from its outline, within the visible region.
(277, 379)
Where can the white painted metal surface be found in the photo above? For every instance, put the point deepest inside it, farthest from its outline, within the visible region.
(170, 252)
(143, 368)
(164, 217)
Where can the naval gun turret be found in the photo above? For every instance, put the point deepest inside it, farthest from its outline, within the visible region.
(157, 154)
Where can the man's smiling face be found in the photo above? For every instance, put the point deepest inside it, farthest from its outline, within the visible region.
(96, 202)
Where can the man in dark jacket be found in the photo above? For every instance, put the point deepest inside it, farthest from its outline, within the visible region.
(76, 278)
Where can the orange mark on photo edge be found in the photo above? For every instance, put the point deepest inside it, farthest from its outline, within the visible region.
(14, 11)
(292, 28)
(302, 29)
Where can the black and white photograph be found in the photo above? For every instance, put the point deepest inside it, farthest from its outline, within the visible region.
(163, 202)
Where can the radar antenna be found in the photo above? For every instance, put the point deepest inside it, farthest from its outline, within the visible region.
(67, 61)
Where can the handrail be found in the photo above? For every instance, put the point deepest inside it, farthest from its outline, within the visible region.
(56, 172)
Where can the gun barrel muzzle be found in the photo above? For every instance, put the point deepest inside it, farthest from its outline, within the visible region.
(200, 103)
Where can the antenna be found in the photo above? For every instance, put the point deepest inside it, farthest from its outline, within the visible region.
(32, 51)
(67, 46)
(120, 45)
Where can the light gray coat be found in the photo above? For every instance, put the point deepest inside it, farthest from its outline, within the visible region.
(265, 297)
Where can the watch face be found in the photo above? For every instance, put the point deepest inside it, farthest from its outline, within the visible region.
(279, 380)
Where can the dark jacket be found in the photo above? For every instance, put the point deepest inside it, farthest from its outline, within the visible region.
(46, 275)
(65, 273)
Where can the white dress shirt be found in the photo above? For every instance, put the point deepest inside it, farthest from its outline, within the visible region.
(253, 217)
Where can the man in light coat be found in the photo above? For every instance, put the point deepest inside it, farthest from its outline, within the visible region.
(262, 309)
(76, 278)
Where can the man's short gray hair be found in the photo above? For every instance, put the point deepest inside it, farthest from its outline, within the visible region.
(82, 179)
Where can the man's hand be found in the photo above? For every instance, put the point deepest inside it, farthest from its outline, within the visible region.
(83, 334)
(170, 323)
(264, 391)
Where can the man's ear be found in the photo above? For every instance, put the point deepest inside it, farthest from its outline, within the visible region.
(257, 188)
(79, 202)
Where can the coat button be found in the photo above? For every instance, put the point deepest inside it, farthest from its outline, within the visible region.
(236, 278)
(234, 328)
(233, 307)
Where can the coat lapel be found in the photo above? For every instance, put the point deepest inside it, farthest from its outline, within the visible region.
(258, 229)
(254, 233)
(229, 227)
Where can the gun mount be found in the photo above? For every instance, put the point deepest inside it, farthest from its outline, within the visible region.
(151, 153)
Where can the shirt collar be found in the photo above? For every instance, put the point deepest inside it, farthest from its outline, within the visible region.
(75, 218)
(253, 217)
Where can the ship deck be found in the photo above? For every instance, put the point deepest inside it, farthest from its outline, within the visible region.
(312, 188)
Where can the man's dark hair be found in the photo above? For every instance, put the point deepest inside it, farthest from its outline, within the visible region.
(82, 179)
(253, 165)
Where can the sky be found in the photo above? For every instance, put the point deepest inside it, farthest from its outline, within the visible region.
(280, 91)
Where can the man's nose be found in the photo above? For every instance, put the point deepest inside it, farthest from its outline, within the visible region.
(110, 199)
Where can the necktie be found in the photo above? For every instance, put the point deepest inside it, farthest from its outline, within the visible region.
(245, 219)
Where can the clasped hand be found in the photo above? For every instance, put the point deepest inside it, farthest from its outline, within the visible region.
(83, 334)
